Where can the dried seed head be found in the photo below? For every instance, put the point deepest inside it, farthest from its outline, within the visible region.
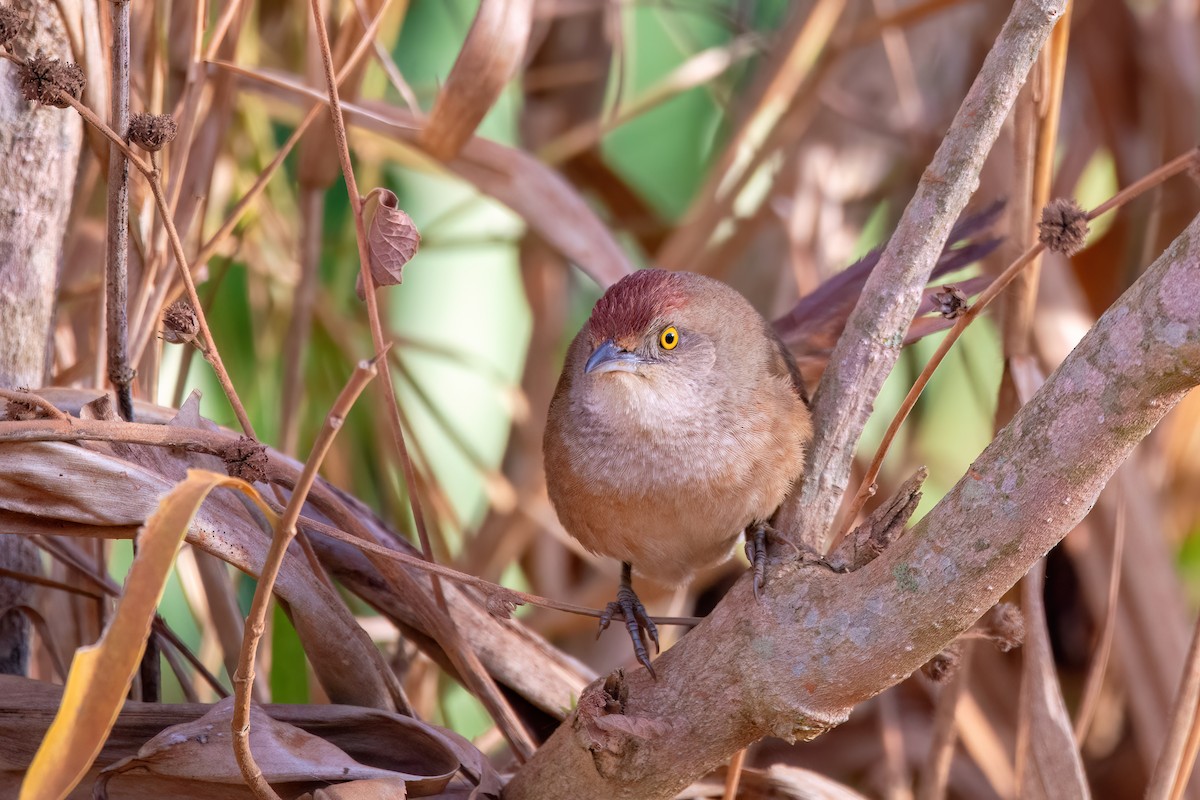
(1064, 226)
(942, 667)
(246, 459)
(11, 22)
(121, 375)
(180, 323)
(951, 302)
(152, 131)
(46, 80)
(502, 602)
(1005, 626)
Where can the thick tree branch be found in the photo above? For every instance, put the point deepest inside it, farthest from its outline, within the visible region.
(819, 643)
(875, 331)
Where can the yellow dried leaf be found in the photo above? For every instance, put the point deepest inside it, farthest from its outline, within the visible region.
(101, 673)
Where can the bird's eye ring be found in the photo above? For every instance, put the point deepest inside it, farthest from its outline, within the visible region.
(669, 338)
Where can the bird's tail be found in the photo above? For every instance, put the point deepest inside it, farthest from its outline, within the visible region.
(812, 327)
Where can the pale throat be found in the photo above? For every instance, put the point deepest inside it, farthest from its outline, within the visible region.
(657, 422)
(651, 401)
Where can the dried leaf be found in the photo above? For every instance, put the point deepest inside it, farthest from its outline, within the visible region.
(378, 789)
(62, 482)
(494, 50)
(53, 487)
(348, 664)
(202, 751)
(187, 760)
(1055, 766)
(392, 240)
(101, 673)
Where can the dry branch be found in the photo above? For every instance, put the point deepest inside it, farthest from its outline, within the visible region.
(282, 536)
(515, 655)
(796, 664)
(39, 151)
(876, 328)
(116, 272)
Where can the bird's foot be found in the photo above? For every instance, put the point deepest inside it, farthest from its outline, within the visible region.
(756, 552)
(637, 621)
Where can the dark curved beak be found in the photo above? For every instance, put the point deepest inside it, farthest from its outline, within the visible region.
(610, 358)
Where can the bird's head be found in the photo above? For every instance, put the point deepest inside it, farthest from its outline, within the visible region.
(661, 328)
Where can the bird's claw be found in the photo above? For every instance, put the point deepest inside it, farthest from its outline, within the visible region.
(756, 554)
(637, 622)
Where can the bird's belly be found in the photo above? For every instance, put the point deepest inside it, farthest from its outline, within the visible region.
(669, 513)
(665, 540)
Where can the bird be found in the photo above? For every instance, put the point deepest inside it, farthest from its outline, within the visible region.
(679, 422)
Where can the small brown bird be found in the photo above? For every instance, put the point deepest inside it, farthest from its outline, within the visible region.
(679, 422)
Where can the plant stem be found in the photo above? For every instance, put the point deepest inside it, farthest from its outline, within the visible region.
(116, 273)
(285, 531)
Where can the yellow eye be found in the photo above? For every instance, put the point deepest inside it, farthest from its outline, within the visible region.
(669, 338)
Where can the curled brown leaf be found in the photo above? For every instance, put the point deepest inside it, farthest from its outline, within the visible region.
(392, 241)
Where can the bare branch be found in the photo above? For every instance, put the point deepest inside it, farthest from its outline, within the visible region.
(875, 331)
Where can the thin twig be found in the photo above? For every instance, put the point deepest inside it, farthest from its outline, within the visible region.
(154, 179)
(181, 675)
(116, 276)
(49, 583)
(195, 440)
(471, 669)
(908, 16)
(1189, 761)
(386, 62)
(222, 28)
(489, 588)
(903, 71)
(1167, 771)
(733, 777)
(39, 623)
(866, 487)
(285, 531)
(867, 351)
(1138, 187)
(897, 784)
(161, 629)
(1095, 675)
(934, 776)
(116, 273)
(106, 587)
(1036, 134)
(31, 398)
(260, 183)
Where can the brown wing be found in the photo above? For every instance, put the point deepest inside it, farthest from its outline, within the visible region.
(785, 364)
